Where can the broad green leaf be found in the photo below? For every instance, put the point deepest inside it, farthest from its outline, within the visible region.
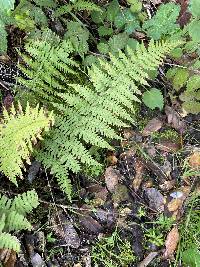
(136, 7)
(194, 31)
(112, 10)
(98, 16)
(105, 31)
(118, 42)
(153, 99)
(191, 257)
(180, 78)
(103, 48)
(195, 8)
(7, 5)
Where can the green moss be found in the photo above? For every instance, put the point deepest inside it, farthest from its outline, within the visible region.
(166, 135)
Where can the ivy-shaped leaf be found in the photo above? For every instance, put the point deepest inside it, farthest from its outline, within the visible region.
(195, 8)
(7, 5)
(194, 32)
(153, 99)
(112, 10)
(105, 31)
(118, 42)
(127, 20)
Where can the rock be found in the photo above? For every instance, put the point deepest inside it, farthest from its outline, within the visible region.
(37, 261)
(71, 237)
(120, 194)
(33, 170)
(112, 177)
(90, 224)
(156, 199)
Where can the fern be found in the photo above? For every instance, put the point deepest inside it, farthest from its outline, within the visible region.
(89, 115)
(77, 5)
(12, 217)
(7, 241)
(25, 202)
(18, 130)
(164, 22)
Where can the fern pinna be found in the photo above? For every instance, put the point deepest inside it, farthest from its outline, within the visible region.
(18, 131)
(90, 114)
(12, 217)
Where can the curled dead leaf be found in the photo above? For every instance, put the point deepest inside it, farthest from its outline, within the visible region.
(152, 126)
(171, 243)
(175, 204)
(194, 160)
(174, 119)
(139, 169)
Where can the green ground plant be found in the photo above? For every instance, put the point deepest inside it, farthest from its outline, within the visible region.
(189, 247)
(87, 115)
(19, 130)
(13, 218)
(112, 251)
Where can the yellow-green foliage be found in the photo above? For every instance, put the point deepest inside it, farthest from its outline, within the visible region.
(182, 78)
(12, 217)
(88, 115)
(18, 131)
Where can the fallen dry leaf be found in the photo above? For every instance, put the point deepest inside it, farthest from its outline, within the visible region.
(171, 243)
(152, 126)
(139, 169)
(128, 133)
(148, 259)
(7, 257)
(112, 159)
(174, 119)
(168, 146)
(112, 177)
(194, 160)
(175, 204)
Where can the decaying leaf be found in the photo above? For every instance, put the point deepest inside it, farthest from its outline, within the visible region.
(152, 126)
(168, 146)
(174, 119)
(175, 204)
(194, 160)
(7, 257)
(139, 169)
(171, 243)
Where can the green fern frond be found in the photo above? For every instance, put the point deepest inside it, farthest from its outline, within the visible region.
(18, 130)
(2, 222)
(5, 203)
(12, 217)
(76, 6)
(90, 115)
(16, 221)
(25, 202)
(9, 242)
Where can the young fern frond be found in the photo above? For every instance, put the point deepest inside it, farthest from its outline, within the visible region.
(25, 202)
(16, 221)
(89, 115)
(12, 217)
(18, 130)
(78, 5)
(7, 241)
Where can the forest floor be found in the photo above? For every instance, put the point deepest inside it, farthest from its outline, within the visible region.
(138, 212)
